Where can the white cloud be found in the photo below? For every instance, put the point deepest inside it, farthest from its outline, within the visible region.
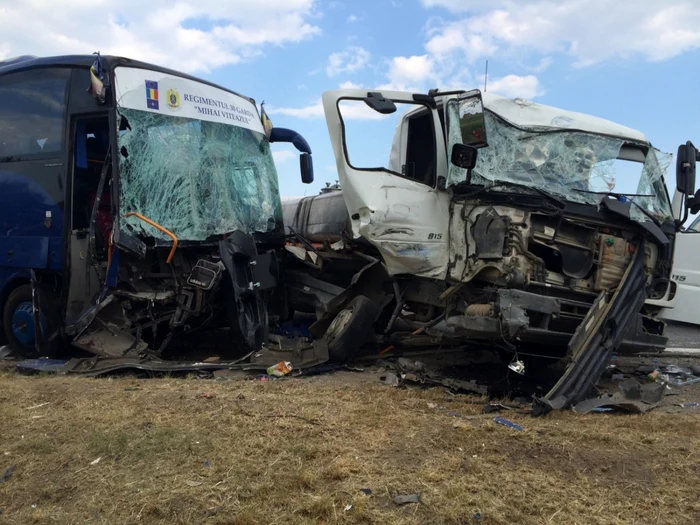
(190, 37)
(283, 156)
(514, 86)
(412, 73)
(351, 60)
(590, 31)
(352, 18)
(314, 110)
(350, 110)
(543, 65)
(349, 85)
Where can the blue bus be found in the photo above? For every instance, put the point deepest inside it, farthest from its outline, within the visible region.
(137, 204)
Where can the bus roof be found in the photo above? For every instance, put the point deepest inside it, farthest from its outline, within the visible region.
(26, 62)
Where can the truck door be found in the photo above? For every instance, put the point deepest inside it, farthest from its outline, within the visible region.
(686, 277)
(396, 204)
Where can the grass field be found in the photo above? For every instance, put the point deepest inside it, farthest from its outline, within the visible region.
(300, 451)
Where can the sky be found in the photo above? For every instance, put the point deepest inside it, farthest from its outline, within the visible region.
(635, 62)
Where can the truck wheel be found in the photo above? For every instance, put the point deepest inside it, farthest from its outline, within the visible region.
(18, 321)
(350, 329)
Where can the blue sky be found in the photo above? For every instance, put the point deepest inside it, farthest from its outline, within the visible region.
(636, 62)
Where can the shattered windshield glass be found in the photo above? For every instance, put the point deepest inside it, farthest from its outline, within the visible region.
(196, 178)
(577, 166)
(194, 159)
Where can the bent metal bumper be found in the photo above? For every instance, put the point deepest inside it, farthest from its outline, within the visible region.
(598, 335)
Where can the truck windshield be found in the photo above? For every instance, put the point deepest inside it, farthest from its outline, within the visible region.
(194, 159)
(576, 166)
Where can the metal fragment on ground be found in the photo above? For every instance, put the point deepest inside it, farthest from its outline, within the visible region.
(633, 397)
(507, 422)
(403, 500)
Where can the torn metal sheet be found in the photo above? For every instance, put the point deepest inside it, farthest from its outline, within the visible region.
(632, 397)
(302, 354)
(600, 333)
(417, 372)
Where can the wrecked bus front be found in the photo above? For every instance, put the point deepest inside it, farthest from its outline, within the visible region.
(169, 216)
(537, 231)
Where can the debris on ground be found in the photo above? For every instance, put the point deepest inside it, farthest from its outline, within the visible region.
(96, 461)
(43, 365)
(39, 405)
(7, 474)
(390, 379)
(208, 395)
(5, 351)
(280, 369)
(403, 500)
(507, 422)
(632, 397)
(368, 492)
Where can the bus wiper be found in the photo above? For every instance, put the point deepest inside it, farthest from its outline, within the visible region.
(622, 197)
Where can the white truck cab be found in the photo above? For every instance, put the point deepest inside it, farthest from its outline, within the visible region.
(496, 222)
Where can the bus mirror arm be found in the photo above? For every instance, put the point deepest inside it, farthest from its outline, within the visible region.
(305, 161)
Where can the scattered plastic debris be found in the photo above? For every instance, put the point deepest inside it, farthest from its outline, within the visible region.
(507, 422)
(348, 507)
(391, 379)
(7, 474)
(208, 395)
(36, 366)
(517, 366)
(280, 369)
(403, 500)
(366, 491)
(39, 405)
(131, 389)
(632, 397)
(191, 483)
(96, 461)
(687, 405)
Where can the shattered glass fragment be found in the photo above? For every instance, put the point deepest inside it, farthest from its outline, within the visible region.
(198, 179)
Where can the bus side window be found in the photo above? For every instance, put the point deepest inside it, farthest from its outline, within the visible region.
(32, 109)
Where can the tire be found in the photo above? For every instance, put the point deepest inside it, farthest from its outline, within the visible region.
(18, 321)
(350, 329)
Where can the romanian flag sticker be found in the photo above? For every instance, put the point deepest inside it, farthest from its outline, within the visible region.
(152, 94)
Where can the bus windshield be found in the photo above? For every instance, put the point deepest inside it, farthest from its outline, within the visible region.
(193, 158)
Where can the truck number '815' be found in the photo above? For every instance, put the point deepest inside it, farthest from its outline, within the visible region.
(434, 236)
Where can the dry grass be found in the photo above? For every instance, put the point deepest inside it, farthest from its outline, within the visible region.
(299, 451)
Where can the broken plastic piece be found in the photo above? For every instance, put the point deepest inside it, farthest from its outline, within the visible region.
(403, 500)
(280, 369)
(507, 422)
(517, 366)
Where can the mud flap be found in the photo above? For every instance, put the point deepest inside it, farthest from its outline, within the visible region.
(249, 275)
(598, 335)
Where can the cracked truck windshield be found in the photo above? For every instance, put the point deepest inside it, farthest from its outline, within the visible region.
(574, 165)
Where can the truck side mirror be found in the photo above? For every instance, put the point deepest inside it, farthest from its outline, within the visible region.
(472, 121)
(463, 156)
(306, 166)
(685, 168)
(380, 104)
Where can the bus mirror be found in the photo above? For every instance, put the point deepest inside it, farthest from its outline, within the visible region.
(306, 166)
